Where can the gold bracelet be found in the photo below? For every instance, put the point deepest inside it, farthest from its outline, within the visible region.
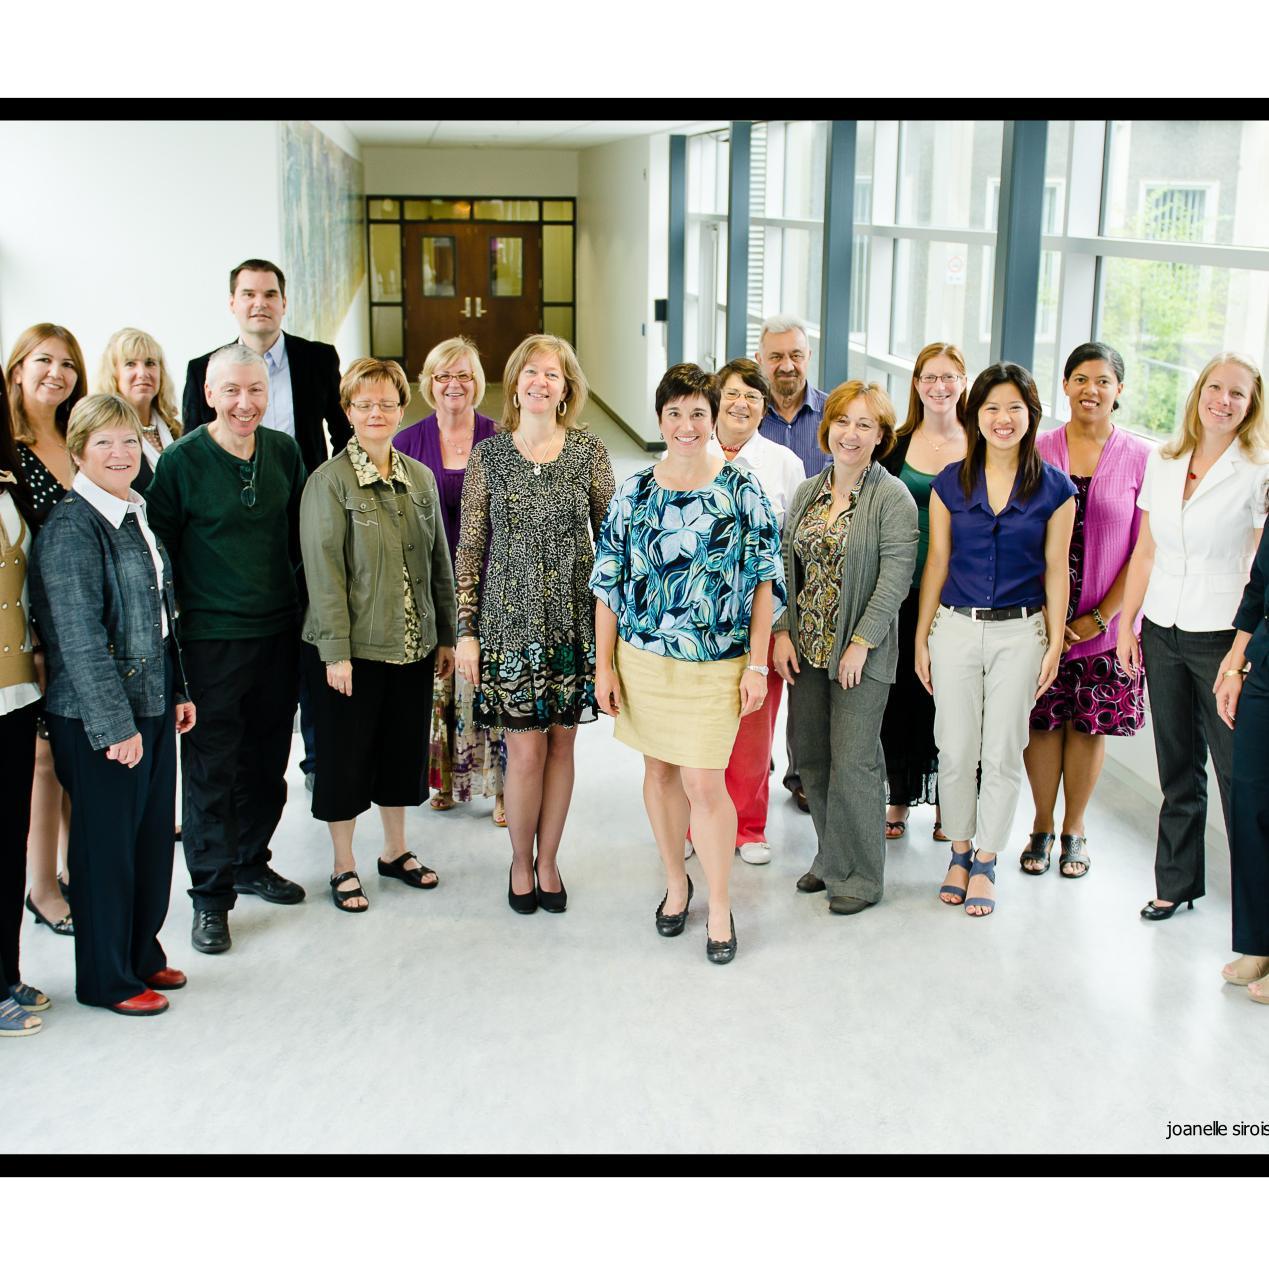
(1230, 674)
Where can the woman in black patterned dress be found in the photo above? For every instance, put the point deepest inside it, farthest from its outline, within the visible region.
(534, 498)
(45, 376)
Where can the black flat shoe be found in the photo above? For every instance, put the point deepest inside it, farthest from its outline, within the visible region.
(65, 926)
(675, 922)
(525, 904)
(1152, 913)
(550, 900)
(721, 953)
(809, 883)
(411, 876)
(847, 905)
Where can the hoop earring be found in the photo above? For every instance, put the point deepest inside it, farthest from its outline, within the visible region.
(562, 408)
(515, 400)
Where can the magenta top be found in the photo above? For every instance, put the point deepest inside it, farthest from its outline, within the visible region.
(1111, 519)
(422, 440)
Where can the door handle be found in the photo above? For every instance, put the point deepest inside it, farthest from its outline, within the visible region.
(467, 306)
(480, 308)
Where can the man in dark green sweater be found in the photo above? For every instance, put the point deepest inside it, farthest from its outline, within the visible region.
(225, 499)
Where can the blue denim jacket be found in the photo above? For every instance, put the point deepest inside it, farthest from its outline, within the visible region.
(98, 611)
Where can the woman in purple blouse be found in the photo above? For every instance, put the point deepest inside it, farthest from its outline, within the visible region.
(1093, 696)
(464, 759)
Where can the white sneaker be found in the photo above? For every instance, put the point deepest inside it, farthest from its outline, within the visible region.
(688, 850)
(755, 853)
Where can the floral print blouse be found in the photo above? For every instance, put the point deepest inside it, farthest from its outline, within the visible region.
(821, 549)
(367, 474)
(679, 567)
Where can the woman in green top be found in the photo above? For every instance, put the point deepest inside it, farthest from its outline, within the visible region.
(932, 436)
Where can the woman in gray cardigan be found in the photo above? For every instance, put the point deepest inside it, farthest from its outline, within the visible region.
(850, 542)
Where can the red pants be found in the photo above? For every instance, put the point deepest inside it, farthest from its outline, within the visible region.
(749, 771)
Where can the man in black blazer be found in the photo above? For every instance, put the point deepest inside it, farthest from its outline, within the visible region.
(303, 375)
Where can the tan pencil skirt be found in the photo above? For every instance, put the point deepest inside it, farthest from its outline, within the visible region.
(684, 712)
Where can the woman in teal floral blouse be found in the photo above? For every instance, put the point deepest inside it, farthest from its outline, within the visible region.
(688, 580)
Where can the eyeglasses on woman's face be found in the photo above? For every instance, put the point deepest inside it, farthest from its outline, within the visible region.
(928, 381)
(447, 376)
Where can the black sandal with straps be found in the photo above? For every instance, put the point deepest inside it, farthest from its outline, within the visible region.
(340, 897)
(1037, 852)
(1073, 852)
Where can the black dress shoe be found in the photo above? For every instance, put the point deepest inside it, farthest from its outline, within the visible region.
(268, 885)
(673, 924)
(211, 932)
(847, 905)
(65, 926)
(721, 953)
(809, 883)
(799, 796)
(1152, 913)
(550, 900)
(521, 903)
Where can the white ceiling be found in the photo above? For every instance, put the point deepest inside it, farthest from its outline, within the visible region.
(560, 134)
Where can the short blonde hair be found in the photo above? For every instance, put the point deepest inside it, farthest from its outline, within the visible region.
(445, 354)
(95, 413)
(373, 370)
(575, 390)
(878, 402)
(131, 342)
(25, 344)
(1252, 431)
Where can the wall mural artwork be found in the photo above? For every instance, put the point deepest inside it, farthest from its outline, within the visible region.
(323, 230)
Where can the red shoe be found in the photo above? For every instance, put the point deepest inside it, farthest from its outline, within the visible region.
(168, 979)
(148, 1002)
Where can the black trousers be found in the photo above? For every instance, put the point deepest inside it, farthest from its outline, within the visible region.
(17, 768)
(372, 745)
(120, 853)
(1181, 666)
(233, 762)
(1249, 817)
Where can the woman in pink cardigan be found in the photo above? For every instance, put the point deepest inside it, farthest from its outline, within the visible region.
(1092, 696)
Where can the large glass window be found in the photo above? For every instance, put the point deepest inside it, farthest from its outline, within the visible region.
(705, 264)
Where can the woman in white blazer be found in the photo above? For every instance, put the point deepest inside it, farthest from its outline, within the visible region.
(1203, 508)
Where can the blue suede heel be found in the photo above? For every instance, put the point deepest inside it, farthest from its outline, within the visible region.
(978, 868)
(960, 859)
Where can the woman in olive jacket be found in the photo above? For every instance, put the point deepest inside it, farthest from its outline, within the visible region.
(380, 621)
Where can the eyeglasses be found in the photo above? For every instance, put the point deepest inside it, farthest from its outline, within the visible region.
(928, 381)
(385, 407)
(753, 398)
(461, 377)
(248, 473)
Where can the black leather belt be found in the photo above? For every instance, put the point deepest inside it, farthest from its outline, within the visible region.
(995, 614)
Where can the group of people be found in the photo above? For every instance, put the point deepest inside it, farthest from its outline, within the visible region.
(947, 602)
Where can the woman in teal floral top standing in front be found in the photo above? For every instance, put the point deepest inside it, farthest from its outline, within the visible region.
(688, 580)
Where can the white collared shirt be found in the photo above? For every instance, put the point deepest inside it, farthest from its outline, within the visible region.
(280, 413)
(1203, 547)
(114, 509)
(148, 448)
(777, 468)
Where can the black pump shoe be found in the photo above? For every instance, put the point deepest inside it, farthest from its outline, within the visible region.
(673, 924)
(721, 953)
(525, 904)
(1152, 913)
(550, 900)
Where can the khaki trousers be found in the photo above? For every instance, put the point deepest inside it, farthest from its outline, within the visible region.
(985, 675)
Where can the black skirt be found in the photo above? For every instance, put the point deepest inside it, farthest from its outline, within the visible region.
(907, 730)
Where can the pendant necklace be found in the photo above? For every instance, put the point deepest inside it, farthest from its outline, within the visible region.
(537, 462)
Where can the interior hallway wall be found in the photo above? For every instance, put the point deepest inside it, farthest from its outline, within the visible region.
(138, 224)
(622, 250)
(424, 170)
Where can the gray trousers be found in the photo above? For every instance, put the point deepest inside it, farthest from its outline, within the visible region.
(1181, 666)
(985, 675)
(837, 735)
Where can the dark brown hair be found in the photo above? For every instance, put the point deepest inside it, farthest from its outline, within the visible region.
(258, 266)
(749, 373)
(687, 379)
(1030, 466)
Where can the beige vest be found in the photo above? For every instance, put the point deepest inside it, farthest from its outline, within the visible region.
(17, 661)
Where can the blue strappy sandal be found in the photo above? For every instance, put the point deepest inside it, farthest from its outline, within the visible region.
(960, 859)
(13, 1020)
(978, 868)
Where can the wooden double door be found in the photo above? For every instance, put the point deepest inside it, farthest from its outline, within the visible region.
(483, 281)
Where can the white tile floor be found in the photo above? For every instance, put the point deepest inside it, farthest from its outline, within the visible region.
(443, 1021)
